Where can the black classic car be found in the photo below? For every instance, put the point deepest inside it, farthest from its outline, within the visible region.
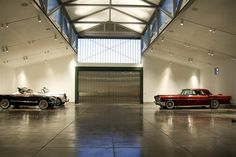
(26, 96)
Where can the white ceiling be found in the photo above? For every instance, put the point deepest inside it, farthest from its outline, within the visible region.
(132, 14)
(26, 36)
(194, 40)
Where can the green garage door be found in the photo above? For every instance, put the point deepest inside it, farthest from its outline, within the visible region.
(109, 85)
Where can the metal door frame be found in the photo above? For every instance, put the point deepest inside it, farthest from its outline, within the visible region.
(111, 69)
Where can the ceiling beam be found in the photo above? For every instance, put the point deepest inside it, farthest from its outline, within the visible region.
(145, 22)
(103, 22)
(112, 5)
(93, 13)
(150, 3)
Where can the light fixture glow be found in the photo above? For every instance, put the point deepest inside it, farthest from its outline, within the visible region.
(55, 37)
(7, 25)
(212, 30)
(2, 26)
(162, 39)
(39, 19)
(6, 48)
(182, 22)
(210, 53)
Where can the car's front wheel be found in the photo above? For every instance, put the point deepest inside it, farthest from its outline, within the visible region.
(43, 104)
(170, 104)
(4, 103)
(214, 104)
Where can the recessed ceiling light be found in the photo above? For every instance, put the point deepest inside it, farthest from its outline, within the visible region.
(48, 29)
(171, 31)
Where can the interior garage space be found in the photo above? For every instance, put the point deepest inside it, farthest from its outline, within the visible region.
(107, 60)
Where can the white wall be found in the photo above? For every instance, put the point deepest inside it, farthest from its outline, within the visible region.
(57, 75)
(7, 80)
(224, 83)
(161, 77)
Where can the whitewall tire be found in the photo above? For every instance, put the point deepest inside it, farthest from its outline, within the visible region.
(43, 104)
(214, 104)
(170, 104)
(4, 103)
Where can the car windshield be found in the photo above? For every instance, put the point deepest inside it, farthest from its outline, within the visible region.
(25, 90)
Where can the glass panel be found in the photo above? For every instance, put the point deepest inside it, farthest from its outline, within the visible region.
(66, 29)
(184, 2)
(51, 5)
(56, 18)
(109, 50)
(145, 40)
(102, 16)
(168, 6)
(177, 4)
(83, 26)
(163, 20)
(142, 13)
(80, 11)
(130, 2)
(153, 29)
(119, 17)
(91, 2)
(135, 27)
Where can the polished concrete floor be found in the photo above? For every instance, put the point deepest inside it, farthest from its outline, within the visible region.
(102, 130)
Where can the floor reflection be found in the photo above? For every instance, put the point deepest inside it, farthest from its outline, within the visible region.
(116, 130)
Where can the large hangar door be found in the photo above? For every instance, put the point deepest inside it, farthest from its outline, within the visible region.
(116, 85)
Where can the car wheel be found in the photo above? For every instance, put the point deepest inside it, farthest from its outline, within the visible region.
(43, 104)
(5, 103)
(214, 104)
(170, 104)
(58, 101)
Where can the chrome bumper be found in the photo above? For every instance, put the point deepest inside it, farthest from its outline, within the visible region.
(159, 103)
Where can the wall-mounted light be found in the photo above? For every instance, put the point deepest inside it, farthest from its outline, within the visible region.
(210, 53)
(5, 62)
(190, 60)
(162, 39)
(2, 26)
(39, 19)
(3, 49)
(55, 37)
(233, 59)
(212, 30)
(182, 22)
(186, 45)
(6, 48)
(7, 25)
(47, 51)
(25, 58)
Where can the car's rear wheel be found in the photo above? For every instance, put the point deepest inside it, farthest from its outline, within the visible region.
(4, 103)
(214, 104)
(43, 104)
(170, 104)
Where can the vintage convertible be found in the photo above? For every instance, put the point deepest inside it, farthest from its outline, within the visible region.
(61, 97)
(27, 97)
(192, 97)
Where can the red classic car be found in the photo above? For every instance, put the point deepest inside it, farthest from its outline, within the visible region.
(192, 97)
